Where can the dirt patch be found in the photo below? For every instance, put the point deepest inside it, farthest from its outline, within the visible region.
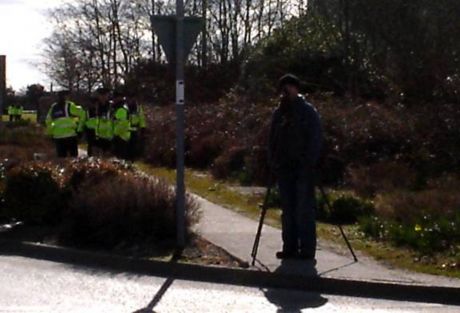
(197, 251)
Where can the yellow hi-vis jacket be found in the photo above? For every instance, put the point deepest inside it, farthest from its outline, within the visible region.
(64, 121)
(91, 118)
(104, 127)
(121, 123)
(137, 117)
(15, 110)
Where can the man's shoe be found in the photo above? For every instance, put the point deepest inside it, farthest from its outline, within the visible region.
(286, 255)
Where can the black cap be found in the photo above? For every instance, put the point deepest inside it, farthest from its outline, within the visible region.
(102, 91)
(63, 93)
(130, 93)
(288, 79)
(118, 93)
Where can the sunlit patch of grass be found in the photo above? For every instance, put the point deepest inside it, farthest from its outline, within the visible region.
(204, 185)
(27, 116)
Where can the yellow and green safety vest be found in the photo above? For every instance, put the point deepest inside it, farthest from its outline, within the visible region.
(137, 118)
(64, 121)
(91, 118)
(104, 128)
(15, 110)
(121, 123)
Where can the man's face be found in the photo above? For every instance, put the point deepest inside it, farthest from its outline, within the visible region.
(103, 98)
(118, 99)
(289, 91)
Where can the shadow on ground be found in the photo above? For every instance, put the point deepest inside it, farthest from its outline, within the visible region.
(290, 301)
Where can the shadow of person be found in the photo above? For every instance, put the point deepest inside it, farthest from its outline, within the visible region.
(294, 301)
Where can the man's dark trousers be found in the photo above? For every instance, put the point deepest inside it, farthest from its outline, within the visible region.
(66, 147)
(297, 191)
(120, 148)
(91, 141)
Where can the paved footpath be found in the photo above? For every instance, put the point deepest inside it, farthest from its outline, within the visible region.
(235, 233)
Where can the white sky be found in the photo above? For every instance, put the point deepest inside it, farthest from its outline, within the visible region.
(23, 26)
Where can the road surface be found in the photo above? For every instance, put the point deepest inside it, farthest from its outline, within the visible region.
(30, 285)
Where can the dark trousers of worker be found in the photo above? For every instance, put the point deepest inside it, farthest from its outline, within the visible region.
(297, 191)
(105, 145)
(120, 148)
(66, 147)
(90, 135)
(136, 145)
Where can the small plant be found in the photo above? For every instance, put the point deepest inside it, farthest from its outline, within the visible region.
(427, 236)
(372, 226)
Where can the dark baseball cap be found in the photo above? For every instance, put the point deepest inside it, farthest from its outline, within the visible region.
(288, 79)
(63, 93)
(102, 91)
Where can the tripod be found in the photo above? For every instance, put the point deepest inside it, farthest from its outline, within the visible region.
(255, 246)
(326, 199)
(263, 213)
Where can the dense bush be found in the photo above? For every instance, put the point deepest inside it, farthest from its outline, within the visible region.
(95, 202)
(34, 194)
(228, 137)
(127, 208)
(377, 145)
(345, 208)
(380, 177)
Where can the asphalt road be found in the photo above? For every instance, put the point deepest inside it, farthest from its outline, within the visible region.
(29, 285)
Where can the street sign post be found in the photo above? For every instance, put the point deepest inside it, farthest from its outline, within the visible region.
(2, 84)
(177, 34)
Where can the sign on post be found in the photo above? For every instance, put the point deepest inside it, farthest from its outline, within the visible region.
(165, 29)
(177, 35)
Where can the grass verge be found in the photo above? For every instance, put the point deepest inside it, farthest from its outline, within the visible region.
(222, 193)
(26, 116)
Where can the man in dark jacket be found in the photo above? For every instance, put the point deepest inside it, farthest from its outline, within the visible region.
(294, 149)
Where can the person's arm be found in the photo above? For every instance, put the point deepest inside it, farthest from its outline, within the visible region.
(273, 140)
(49, 121)
(78, 112)
(314, 137)
(142, 122)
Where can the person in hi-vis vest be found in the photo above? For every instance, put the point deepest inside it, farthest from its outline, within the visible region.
(138, 126)
(64, 123)
(121, 125)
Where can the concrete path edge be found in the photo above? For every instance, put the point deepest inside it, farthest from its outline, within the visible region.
(240, 277)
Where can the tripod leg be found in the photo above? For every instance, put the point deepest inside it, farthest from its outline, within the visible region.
(326, 199)
(255, 246)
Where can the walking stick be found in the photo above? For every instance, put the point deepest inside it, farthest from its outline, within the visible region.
(255, 247)
(326, 199)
